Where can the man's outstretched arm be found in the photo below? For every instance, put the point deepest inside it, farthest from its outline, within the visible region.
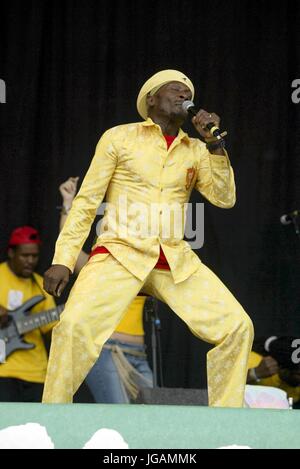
(81, 216)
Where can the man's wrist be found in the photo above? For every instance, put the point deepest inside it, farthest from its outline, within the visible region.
(66, 207)
(253, 376)
(215, 145)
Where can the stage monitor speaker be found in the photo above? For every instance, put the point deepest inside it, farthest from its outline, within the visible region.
(172, 396)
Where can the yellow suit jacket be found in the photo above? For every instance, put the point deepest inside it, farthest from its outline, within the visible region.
(147, 187)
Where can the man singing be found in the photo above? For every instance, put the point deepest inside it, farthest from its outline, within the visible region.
(146, 171)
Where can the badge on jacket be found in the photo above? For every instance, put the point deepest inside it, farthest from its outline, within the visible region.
(190, 173)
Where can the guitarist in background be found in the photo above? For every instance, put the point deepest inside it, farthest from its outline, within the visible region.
(23, 374)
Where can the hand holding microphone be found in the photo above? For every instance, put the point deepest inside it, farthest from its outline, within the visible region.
(207, 124)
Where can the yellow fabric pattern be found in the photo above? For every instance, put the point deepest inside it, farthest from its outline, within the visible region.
(28, 365)
(94, 309)
(275, 381)
(133, 161)
(132, 323)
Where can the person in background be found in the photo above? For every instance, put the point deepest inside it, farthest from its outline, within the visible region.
(23, 373)
(275, 361)
(122, 368)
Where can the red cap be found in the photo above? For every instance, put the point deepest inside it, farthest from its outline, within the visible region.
(24, 235)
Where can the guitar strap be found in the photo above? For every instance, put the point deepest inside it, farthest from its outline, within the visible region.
(36, 281)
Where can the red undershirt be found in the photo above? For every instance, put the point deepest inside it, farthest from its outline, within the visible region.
(162, 262)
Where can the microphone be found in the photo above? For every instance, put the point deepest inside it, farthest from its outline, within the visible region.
(288, 218)
(189, 106)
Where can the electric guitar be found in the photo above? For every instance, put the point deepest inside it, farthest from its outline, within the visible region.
(20, 322)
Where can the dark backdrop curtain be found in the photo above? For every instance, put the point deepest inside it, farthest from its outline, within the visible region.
(73, 69)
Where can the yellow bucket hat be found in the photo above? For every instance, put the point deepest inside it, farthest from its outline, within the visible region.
(156, 82)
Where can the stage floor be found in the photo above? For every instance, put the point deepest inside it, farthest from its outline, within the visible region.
(160, 426)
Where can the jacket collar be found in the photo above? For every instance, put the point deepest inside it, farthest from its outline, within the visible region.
(181, 134)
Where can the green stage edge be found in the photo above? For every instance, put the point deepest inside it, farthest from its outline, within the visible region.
(160, 426)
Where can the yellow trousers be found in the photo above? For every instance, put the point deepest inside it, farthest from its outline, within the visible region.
(101, 295)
